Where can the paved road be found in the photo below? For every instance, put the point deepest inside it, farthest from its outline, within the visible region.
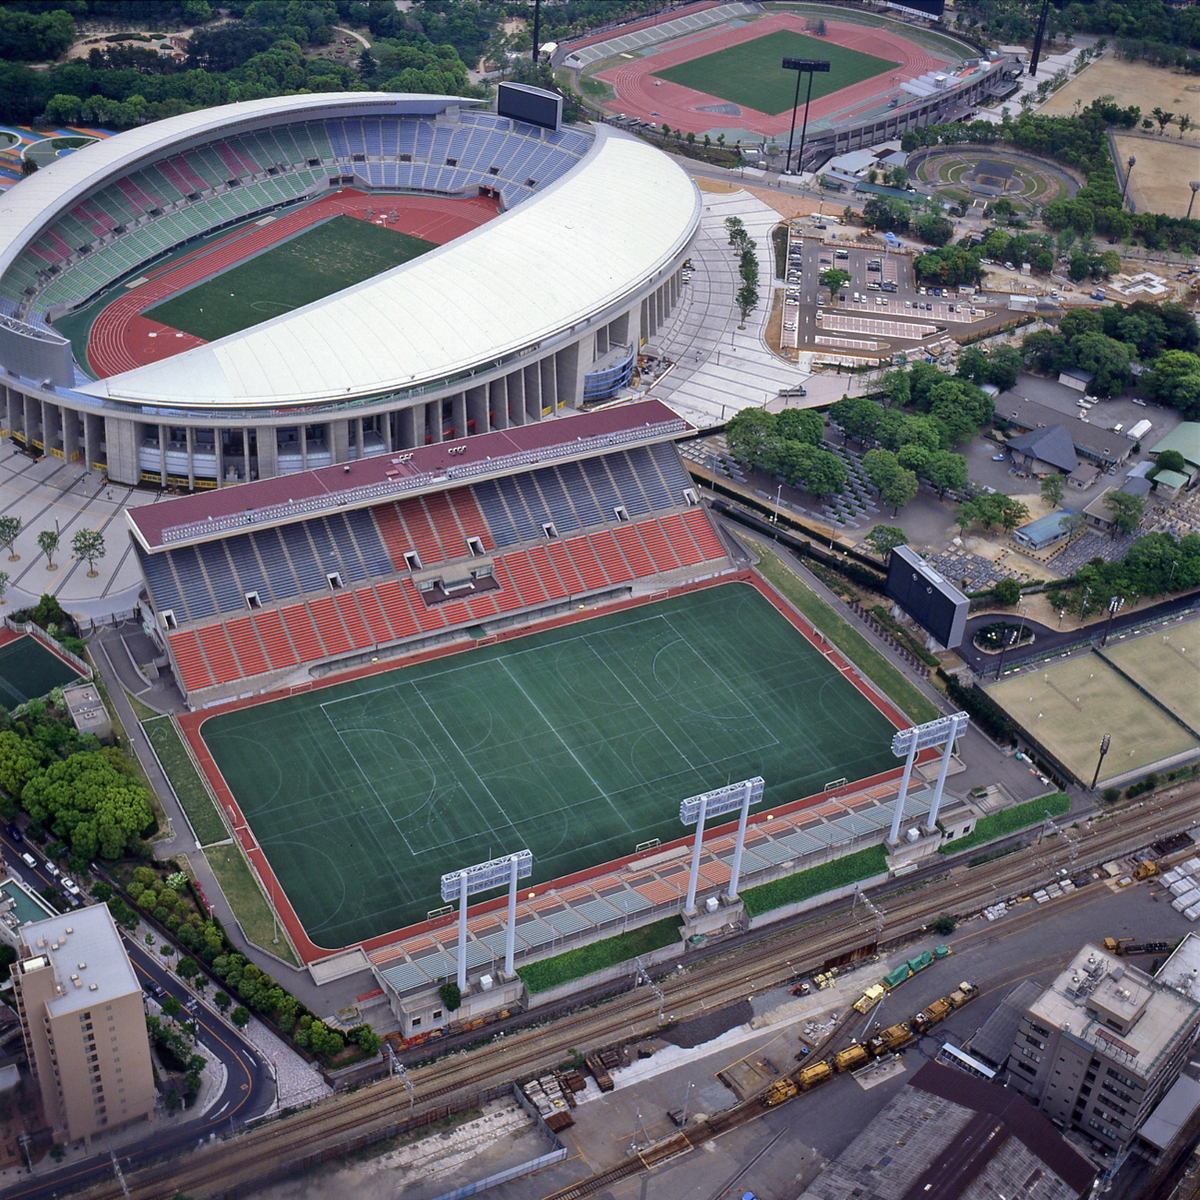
(1047, 642)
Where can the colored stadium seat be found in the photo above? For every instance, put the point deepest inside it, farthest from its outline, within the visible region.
(275, 640)
(368, 601)
(221, 662)
(615, 566)
(303, 633)
(246, 646)
(708, 542)
(329, 625)
(635, 553)
(664, 557)
(360, 635)
(193, 667)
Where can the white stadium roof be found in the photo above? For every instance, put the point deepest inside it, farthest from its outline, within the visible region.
(556, 260)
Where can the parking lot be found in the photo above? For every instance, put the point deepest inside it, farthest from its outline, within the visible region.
(882, 298)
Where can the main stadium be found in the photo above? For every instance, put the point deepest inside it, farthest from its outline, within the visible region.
(512, 268)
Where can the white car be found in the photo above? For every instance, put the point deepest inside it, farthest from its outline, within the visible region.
(792, 300)
(70, 887)
(790, 326)
(52, 870)
(1139, 403)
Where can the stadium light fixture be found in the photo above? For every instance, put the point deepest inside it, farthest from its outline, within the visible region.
(801, 66)
(906, 743)
(482, 877)
(696, 809)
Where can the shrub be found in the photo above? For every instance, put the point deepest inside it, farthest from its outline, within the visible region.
(585, 960)
(1009, 820)
(815, 881)
(944, 923)
(1111, 795)
(451, 995)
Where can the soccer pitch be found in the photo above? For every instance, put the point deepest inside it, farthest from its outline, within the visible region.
(577, 742)
(28, 670)
(749, 74)
(316, 263)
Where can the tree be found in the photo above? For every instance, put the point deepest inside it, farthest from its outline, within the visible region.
(857, 416)
(746, 300)
(451, 995)
(880, 465)
(88, 544)
(946, 470)
(222, 1000)
(1185, 123)
(1163, 118)
(834, 279)
(1052, 490)
(9, 528)
(1007, 592)
(1004, 365)
(749, 434)
(934, 229)
(1170, 460)
(1125, 510)
(240, 1016)
(367, 1040)
(1012, 513)
(3, 585)
(883, 539)
(47, 542)
(186, 968)
(899, 489)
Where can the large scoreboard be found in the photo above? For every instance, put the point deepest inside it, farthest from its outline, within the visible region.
(932, 601)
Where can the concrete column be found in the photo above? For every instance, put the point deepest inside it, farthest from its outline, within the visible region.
(498, 399)
(462, 932)
(190, 435)
(476, 401)
(163, 436)
(268, 452)
(736, 870)
(898, 815)
(689, 907)
(407, 428)
(941, 782)
(510, 932)
(458, 405)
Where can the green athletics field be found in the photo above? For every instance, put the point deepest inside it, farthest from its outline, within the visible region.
(577, 743)
(750, 76)
(319, 262)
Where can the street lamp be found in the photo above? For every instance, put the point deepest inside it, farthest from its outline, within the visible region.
(1194, 184)
(1105, 741)
(800, 65)
(1129, 165)
(1114, 607)
(777, 491)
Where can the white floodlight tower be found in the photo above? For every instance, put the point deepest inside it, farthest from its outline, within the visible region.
(696, 809)
(906, 743)
(482, 877)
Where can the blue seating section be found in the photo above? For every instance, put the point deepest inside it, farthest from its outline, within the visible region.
(155, 202)
(275, 563)
(230, 598)
(362, 528)
(246, 566)
(601, 484)
(304, 561)
(192, 586)
(671, 470)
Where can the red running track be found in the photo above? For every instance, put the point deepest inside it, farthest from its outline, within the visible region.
(639, 93)
(121, 338)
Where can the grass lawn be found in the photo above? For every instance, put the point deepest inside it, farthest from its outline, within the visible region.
(577, 743)
(1010, 820)
(584, 960)
(188, 786)
(245, 897)
(750, 75)
(316, 263)
(917, 707)
(815, 881)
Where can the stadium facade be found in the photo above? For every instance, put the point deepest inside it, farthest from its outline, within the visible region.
(525, 318)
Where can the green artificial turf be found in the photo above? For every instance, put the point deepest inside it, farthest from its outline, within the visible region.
(577, 743)
(749, 74)
(28, 671)
(318, 262)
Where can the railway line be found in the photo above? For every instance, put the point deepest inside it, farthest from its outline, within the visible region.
(908, 904)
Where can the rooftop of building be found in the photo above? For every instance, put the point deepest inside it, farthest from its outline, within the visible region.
(1151, 1015)
(950, 1136)
(1090, 439)
(84, 950)
(1185, 438)
(22, 904)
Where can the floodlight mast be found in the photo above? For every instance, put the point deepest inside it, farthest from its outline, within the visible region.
(906, 743)
(482, 877)
(695, 809)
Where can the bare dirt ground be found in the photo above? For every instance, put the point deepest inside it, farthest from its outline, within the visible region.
(1132, 83)
(1159, 181)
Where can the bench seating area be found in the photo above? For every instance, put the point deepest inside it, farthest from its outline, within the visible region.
(345, 584)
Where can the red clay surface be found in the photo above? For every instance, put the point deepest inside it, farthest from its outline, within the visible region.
(190, 726)
(122, 339)
(641, 94)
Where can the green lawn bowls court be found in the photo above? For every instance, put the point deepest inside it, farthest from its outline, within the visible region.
(577, 743)
(1142, 691)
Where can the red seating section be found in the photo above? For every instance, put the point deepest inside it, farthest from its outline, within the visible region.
(275, 640)
(221, 661)
(246, 646)
(681, 540)
(360, 635)
(303, 632)
(446, 524)
(368, 601)
(664, 557)
(702, 531)
(561, 557)
(470, 519)
(610, 557)
(189, 658)
(329, 625)
(634, 551)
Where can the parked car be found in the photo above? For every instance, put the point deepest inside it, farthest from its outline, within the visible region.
(14, 833)
(70, 886)
(1139, 403)
(29, 860)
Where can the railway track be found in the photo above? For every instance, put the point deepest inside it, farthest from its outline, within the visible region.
(284, 1145)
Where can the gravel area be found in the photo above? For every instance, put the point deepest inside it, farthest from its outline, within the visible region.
(703, 1029)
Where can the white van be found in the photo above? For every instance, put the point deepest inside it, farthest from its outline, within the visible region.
(856, 297)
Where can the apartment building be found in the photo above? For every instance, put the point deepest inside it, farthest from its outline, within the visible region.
(84, 1024)
(1099, 1048)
